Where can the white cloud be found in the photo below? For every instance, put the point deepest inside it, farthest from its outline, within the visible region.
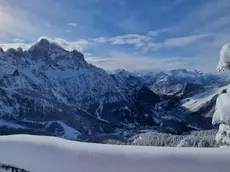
(15, 46)
(129, 39)
(154, 33)
(149, 46)
(172, 42)
(183, 41)
(100, 40)
(79, 45)
(133, 62)
(73, 24)
(145, 42)
(18, 40)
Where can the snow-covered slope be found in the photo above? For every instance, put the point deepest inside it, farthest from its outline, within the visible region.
(224, 62)
(199, 100)
(180, 82)
(196, 77)
(181, 115)
(46, 154)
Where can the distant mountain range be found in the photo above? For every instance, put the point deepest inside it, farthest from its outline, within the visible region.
(48, 90)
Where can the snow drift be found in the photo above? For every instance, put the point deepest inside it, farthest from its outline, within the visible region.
(50, 154)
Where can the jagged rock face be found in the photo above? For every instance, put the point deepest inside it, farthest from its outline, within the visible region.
(47, 84)
(139, 96)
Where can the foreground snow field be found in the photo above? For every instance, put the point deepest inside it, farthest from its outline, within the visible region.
(50, 154)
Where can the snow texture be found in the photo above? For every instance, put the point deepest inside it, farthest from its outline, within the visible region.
(224, 62)
(221, 114)
(223, 135)
(46, 154)
(69, 132)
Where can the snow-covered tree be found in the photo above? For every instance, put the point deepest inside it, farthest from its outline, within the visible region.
(224, 62)
(222, 110)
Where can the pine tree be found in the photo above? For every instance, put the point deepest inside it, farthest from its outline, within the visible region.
(222, 110)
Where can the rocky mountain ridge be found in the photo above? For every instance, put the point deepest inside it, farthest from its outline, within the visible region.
(46, 86)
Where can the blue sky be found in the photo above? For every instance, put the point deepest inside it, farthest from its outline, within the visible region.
(131, 34)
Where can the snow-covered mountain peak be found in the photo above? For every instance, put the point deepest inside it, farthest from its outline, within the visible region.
(16, 53)
(182, 73)
(19, 49)
(179, 71)
(43, 42)
(123, 73)
(11, 52)
(46, 44)
(186, 72)
(78, 54)
(44, 50)
(49, 54)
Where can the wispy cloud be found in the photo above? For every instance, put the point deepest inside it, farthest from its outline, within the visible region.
(143, 42)
(129, 39)
(18, 40)
(79, 45)
(132, 39)
(154, 33)
(149, 46)
(131, 62)
(146, 42)
(171, 42)
(211, 16)
(15, 23)
(73, 24)
(183, 41)
(100, 40)
(6, 46)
